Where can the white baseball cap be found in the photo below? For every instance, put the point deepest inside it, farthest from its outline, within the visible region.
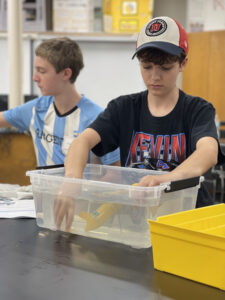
(163, 33)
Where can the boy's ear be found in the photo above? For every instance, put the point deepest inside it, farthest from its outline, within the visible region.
(183, 64)
(67, 73)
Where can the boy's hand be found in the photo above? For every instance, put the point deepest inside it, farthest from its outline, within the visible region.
(63, 207)
(151, 180)
(64, 204)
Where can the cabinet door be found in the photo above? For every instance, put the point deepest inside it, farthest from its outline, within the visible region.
(17, 157)
(216, 72)
(205, 72)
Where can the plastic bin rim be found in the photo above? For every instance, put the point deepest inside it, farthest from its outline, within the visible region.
(125, 169)
(160, 187)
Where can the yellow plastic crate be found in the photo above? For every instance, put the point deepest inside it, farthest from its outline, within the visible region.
(121, 16)
(191, 244)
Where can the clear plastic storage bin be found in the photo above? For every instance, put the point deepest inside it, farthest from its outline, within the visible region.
(109, 206)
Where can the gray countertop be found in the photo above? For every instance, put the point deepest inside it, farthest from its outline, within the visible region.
(41, 264)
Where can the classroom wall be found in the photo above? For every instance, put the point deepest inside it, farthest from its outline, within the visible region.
(109, 70)
(176, 9)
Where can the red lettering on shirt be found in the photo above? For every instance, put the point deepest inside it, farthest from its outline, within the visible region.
(162, 146)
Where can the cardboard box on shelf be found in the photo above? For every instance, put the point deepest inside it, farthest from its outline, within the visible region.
(36, 15)
(121, 16)
(3, 14)
(98, 22)
(73, 16)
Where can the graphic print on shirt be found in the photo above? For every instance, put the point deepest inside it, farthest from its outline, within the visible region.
(162, 147)
(49, 139)
(42, 130)
(71, 130)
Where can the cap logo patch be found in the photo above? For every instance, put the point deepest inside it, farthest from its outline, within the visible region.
(156, 27)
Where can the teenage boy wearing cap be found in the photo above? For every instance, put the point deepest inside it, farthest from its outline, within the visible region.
(161, 122)
(61, 113)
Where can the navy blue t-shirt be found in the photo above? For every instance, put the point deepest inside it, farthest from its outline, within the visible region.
(127, 123)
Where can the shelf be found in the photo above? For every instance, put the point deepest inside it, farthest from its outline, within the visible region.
(86, 37)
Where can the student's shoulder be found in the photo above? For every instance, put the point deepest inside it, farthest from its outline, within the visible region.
(89, 106)
(40, 103)
(194, 102)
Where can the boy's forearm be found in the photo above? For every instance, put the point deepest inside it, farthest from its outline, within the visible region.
(77, 156)
(76, 160)
(199, 162)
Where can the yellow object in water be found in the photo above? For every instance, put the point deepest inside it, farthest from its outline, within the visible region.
(100, 215)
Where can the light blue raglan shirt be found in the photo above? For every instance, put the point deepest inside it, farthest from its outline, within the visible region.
(52, 134)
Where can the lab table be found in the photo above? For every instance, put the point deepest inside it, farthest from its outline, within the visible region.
(37, 263)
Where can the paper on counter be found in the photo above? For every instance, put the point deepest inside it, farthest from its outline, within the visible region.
(16, 201)
(18, 209)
